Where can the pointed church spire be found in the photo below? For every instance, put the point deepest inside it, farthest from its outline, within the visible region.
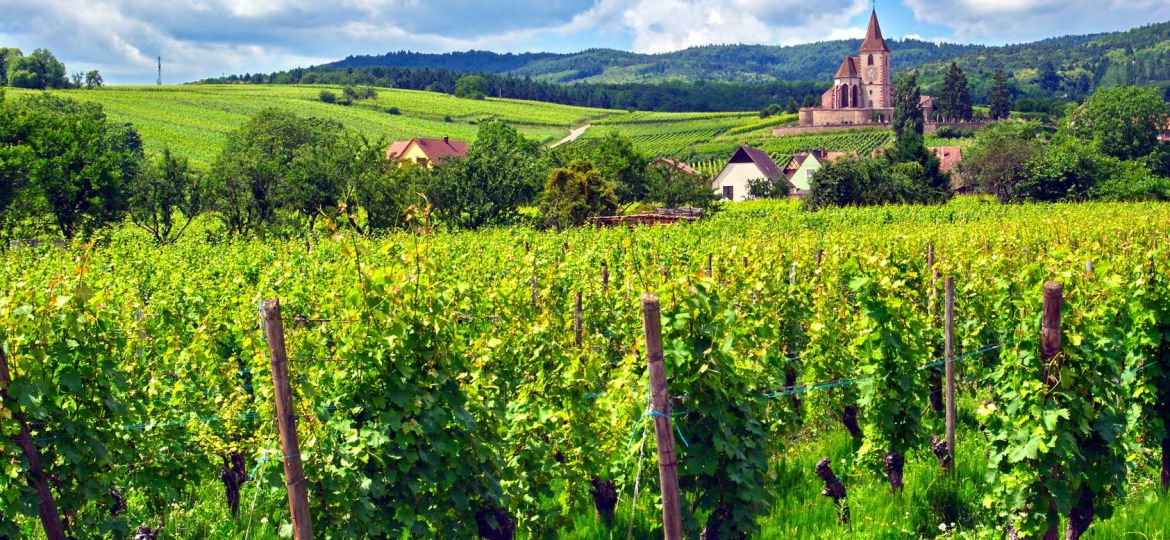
(874, 42)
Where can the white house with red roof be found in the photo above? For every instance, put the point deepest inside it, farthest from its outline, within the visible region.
(426, 152)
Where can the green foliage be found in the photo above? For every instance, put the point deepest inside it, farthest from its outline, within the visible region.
(327, 96)
(279, 161)
(763, 188)
(1000, 97)
(996, 162)
(165, 187)
(573, 195)
(503, 171)
(7, 55)
(39, 70)
(78, 163)
(1122, 122)
(955, 101)
(675, 188)
(907, 121)
(1061, 440)
(93, 80)
(471, 87)
(724, 467)
(889, 342)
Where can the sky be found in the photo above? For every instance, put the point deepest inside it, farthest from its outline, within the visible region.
(207, 38)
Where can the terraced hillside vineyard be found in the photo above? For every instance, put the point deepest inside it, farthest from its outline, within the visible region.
(441, 389)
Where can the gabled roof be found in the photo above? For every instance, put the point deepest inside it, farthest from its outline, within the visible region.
(436, 150)
(949, 157)
(680, 166)
(848, 69)
(874, 42)
(747, 154)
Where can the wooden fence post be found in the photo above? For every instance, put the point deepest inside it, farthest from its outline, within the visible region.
(950, 364)
(294, 474)
(578, 323)
(50, 518)
(660, 411)
(710, 272)
(820, 256)
(604, 278)
(1050, 352)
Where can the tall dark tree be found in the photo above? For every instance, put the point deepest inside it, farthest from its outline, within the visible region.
(955, 102)
(1000, 97)
(908, 122)
(925, 183)
(1049, 79)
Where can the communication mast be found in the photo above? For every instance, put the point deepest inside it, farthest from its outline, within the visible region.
(159, 82)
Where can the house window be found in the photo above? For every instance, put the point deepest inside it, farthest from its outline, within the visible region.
(422, 161)
(871, 59)
(729, 193)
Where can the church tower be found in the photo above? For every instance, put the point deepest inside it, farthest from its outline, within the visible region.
(873, 61)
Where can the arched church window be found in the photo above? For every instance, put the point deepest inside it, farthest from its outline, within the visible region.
(871, 59)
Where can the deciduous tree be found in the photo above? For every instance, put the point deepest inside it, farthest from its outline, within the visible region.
(166, 190)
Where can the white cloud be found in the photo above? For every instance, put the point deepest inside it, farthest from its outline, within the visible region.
(1026, 20)
(667, 25)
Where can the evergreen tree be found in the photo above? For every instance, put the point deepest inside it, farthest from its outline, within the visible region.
(1000, 97)
(927, 182)
(1049, 80)
(955, 102)
(908, 122)
(792, 107)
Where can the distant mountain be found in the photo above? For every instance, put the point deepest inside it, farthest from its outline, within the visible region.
(724, 63)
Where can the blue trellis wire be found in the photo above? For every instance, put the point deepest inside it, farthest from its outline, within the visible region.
(655, 414)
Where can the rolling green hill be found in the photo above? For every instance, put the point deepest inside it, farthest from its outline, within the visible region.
(195, 120)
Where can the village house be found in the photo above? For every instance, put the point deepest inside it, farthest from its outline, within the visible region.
(949, 158)
(426, 152)
(746, 165)
(679, 166)
(1164, 136)
(804, 165)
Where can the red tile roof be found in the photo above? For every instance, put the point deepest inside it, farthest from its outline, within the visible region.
(848, 69)
(874, 42)
(436, 150)
(949, 157)
(682, 167)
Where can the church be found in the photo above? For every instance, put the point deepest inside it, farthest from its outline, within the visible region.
(863, 88)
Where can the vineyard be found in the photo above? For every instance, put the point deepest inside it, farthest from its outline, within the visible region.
(194, 120)
(494, 383)
(862, 142)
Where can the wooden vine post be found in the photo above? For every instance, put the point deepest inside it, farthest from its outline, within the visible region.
(294, 474)
(578, 323)
(949, 325)
(50, 518)
(604, 278)
(660, 412)
(710, 273)
(1050, 352)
